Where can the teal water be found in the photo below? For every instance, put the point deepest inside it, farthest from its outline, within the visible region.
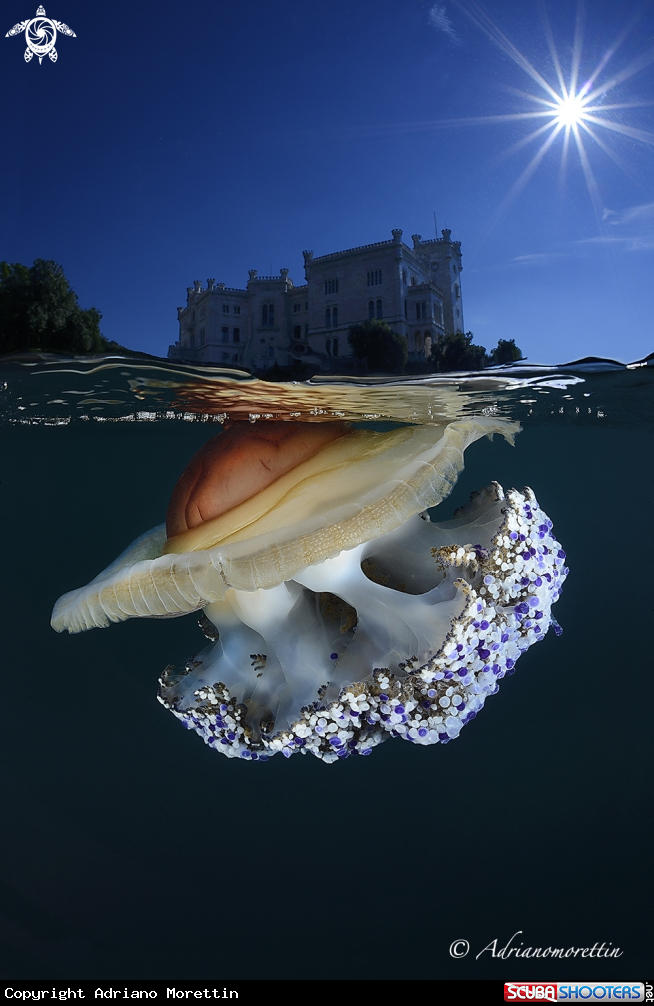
(131, 850)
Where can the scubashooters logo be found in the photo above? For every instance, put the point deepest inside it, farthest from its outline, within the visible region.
(40, 35)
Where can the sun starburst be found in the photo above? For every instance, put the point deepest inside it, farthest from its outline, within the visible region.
(561, 107)
(569, 110)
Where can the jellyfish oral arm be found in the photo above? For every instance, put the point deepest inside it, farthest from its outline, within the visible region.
(387, 631)
(334, 662)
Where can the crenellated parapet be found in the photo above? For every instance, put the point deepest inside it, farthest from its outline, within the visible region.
(415, 288)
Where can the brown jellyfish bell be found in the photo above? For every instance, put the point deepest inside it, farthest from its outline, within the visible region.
(241, 462)
(357, 487)
(332, 601)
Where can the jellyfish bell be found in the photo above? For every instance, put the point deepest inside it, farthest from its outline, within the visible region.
(355, 488)
(240, 462)
(339, 614)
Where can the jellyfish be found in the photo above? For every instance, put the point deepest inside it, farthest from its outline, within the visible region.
(338, 613)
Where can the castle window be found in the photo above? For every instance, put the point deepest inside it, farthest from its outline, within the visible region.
(268, 315)
(374, 278)
(404, 275)
(237, 335)
(237, 308)
(202, 337)
(271, 351)
(456, 291)
(224, 356)
(421, 311)
(335, 347)
(379, 308)
(297, 332)
(371, 310)
(225, 333)
(225, 308)
(328, 347)
(413, 281)
(296, 308)
(328, 317)
(331, 286)
(335, 317)
(235, 358)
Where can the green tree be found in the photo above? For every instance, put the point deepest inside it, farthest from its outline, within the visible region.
(457, 351)
(380, 348)
(506, 351)
(39, 310)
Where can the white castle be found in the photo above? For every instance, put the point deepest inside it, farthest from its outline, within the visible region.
(416, 290)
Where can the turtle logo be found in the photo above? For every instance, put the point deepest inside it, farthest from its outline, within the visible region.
(40, 35)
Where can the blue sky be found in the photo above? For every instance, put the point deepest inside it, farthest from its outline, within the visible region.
(172, 142)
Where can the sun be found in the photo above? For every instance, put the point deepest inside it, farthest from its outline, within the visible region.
(560, 106)
(570, 110)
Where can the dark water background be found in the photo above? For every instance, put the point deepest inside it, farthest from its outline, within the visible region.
(128, 849)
